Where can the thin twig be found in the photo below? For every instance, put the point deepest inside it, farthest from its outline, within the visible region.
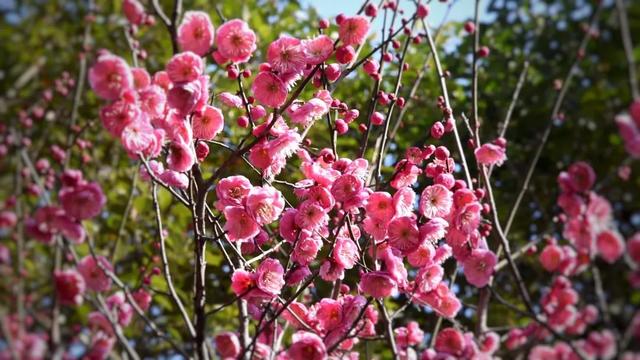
(628, 48)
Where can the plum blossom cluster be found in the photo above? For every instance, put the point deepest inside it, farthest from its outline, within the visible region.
(78, 200)
(590, 232)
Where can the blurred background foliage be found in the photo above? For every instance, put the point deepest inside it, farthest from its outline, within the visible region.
(42, 39)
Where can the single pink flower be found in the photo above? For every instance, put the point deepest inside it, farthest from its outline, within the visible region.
(142, 298)
(236, 41)
(310, 215)
(83, 201)
(306, 248)
(378, 284)
(232, 191)
(490, 154)
(345, 252)
(270, 277)
(329, 313)
(133, 11)
(265, 204)
(184, 97)
(286, 55)
(93, 275)
(318, 49)
(633, 248)
(581, 176)
(307, 113)
(195, 33)
(110, 76)
(468, 218)
(117, 115)
(433, 230)
(175, 179)
(8, 219)
(403, 201)
(138, 136)
(610, 246)
(380, 206)
(117, 303)
(375, 227)
(306, 346)
(479, 267)
(551, 257)
(208, 124)
(153, 100)
(429, 277)
(181, 156)
(185, 67)
(228, 345)
(406, 174)
(422, 256)
(630, 133)
(101, 346)
(240, 225)
(404, 234)
(353, 30)
(450, 341)
(70, 287)
(242, 282)
(230, 99)
(346, 187)
(141, 78)
(435, 201)
(269, 89)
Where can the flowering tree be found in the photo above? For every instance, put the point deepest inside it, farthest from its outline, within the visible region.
(238, 187)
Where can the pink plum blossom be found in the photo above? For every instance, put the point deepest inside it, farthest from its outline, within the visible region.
(435, 201)
(353, 30)
(70, 287)
(479, 267)
(610, 245)
(185, 67)
(404, 234)
(490, 154)
(93, 275)
(232, 191)
(269, 89)
(110, 76)
(195, 32)
(306, 346)
(286, 55)
(236, 41)
(264, 204)
(227, 344)
(83, 201)
(378, 284)
(240, 225)
(269, 277)
(318, 49)
(208, 124)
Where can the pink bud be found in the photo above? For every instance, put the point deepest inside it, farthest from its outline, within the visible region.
(470, 27)
(344, 54)
(341, 127)
(377, 118)
(483, 52)
(422, 11)
(437, 130)
(243, 121)
(371, 10)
